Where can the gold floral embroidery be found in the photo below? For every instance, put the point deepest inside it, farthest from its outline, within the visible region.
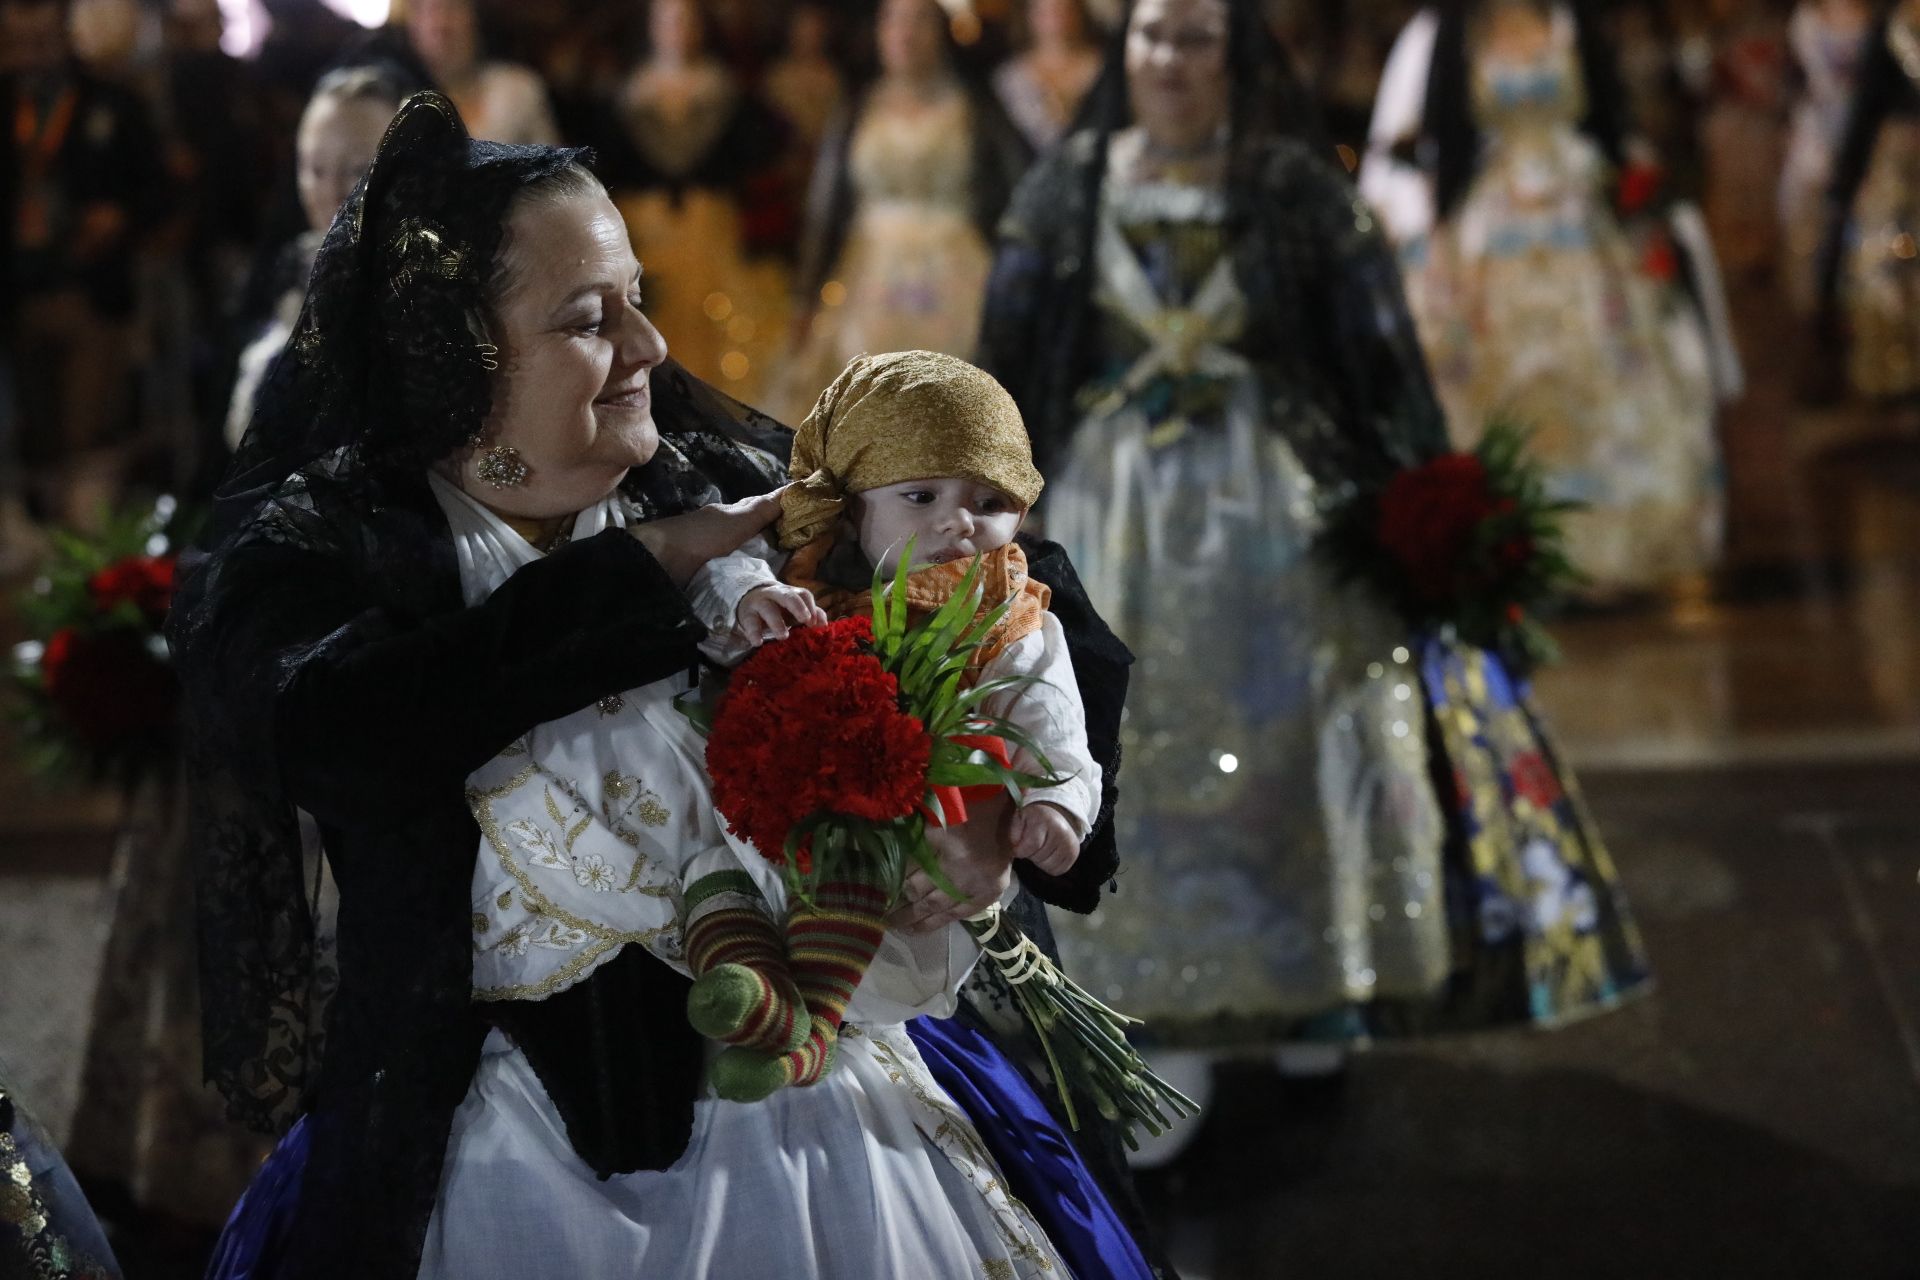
(961, 1143)
(49, 1255)
(604, 937)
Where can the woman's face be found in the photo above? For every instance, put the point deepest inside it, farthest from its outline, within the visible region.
(443, 33)
(336, 143)
(673, 28)
(807, 32)
(909, 37)
(1056, 21)
(1177, 74)
(571, 395)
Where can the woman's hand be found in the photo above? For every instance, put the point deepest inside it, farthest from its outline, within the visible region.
(974, 856)
(770, 612)
(683, 543)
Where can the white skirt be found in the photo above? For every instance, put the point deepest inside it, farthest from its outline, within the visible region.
(874, 1172)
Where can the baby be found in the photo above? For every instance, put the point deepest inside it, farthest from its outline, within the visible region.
(920, 446)
(907, 446)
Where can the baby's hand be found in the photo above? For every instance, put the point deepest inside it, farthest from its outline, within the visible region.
(1043, 835)
(770, 612)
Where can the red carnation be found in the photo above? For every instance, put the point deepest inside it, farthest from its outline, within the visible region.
(146, 582)
(1639, 184)
(1429, 516)
(1659, 262)
(107, 686)
(810, 726)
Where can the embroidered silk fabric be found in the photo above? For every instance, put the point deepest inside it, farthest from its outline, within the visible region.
(47, 1231)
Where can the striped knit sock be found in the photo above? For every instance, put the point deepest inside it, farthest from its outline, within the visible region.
(831, 943)
(742, 1075)
(743, 991)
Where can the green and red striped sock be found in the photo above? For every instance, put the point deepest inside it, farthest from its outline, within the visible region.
(743, 993)
(831, 943)
(742, 1075)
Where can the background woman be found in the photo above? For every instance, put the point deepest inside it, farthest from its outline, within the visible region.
(1869, 270)
(905, 194)
(1825, 37)
(1204, 328)
(501, 101)
(686, 142)
(1042, 86)
(1534, 298)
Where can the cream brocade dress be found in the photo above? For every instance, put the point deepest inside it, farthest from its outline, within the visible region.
(913, 272)
(591, 825)
(1282, 837)
(1532, 303)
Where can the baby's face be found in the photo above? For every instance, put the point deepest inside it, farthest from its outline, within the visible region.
(948, 519)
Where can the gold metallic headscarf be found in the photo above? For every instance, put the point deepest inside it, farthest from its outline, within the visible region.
(907, 415)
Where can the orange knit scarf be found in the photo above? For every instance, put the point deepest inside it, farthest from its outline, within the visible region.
(1003, 573)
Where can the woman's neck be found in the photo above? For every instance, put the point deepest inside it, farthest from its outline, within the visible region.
(919, 85)
(541, 532)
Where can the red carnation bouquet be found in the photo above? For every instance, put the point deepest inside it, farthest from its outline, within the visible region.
(1466, 541)
(831, 752)
(97, 692)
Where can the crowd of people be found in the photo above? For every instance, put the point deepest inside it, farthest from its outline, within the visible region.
(1231, 263)
(808, 181)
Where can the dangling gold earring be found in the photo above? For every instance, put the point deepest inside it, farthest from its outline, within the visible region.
(500, 465)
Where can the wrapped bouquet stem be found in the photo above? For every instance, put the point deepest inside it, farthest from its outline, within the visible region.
(1082, 1038)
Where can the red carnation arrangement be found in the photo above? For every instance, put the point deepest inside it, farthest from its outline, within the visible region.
(810, 727)
(97, 693)
(1467, 541)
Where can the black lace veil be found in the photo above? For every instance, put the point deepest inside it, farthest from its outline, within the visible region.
(388, 369)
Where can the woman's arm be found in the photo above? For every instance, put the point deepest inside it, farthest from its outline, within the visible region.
(369, 708)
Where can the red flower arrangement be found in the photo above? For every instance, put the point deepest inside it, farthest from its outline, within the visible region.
(145, 582)
(97, 695)
(833, 750)
(1468, 541)
(812, 727)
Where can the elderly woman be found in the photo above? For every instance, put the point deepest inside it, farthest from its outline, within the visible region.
(472, 501)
